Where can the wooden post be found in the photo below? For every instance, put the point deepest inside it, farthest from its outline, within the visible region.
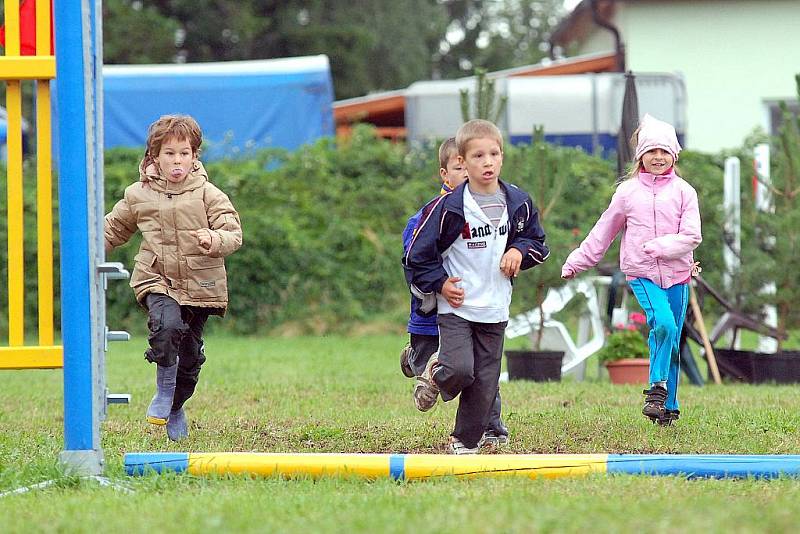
(701, 328)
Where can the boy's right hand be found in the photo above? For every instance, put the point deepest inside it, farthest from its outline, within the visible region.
(452, 293)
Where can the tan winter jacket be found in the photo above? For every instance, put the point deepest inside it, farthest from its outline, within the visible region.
(170, 259)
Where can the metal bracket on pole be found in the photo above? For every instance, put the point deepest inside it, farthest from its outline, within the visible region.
(117, 335)
(118, 398)
(112, 270)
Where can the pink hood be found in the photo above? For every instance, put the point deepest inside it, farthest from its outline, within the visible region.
(660, 222)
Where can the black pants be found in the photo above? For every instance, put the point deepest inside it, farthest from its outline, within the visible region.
(423, 347)
(176, 336)
(469, 365)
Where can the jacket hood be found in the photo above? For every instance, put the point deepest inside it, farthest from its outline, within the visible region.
(149, 174)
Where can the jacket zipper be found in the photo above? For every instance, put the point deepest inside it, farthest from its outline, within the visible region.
(655, 233)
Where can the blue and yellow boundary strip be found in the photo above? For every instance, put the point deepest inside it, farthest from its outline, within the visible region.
(428, 466)
(14, 68)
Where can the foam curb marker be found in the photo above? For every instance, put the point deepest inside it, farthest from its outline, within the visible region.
(425, 466)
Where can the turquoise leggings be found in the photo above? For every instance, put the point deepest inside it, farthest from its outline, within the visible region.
(665, 310)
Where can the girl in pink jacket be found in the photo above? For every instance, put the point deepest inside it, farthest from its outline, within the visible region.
(657, 212)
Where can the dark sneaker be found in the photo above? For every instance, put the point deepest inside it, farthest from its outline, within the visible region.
(455, 446)
(405, 355)
(670, 416)
(493, 439)
(654, 400)
(426, 392)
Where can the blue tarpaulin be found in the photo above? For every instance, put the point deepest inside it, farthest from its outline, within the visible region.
(240, 105)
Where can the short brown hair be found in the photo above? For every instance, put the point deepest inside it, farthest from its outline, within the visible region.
(173, 126)
(446, 151)
(477, 129)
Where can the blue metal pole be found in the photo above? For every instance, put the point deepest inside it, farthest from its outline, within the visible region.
(75, 84)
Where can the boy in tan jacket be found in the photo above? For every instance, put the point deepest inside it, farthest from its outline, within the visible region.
(188, 226)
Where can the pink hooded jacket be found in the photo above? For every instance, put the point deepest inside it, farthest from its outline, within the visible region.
(660, 222)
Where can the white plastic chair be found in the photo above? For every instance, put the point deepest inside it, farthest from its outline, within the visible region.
(555, 335)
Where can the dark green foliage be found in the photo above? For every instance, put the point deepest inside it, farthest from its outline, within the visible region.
(372, 44)
(322, 229)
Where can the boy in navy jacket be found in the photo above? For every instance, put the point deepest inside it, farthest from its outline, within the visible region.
(468, 246)
(422, 328)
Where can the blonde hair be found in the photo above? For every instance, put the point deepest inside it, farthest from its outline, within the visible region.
(446, 150)
(477, 129)
(173, 127)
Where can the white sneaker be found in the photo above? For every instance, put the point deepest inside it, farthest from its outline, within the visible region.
(455, 446)
(493, 439)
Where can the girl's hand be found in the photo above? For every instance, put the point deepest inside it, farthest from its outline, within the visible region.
(567, 274)
(511, 262)
(452, 293)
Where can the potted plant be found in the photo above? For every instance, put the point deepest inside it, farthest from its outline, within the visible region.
(625, 354)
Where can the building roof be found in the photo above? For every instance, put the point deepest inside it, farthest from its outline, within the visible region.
(386, 110)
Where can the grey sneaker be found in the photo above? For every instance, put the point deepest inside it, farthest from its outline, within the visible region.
(426, 392)
(455, 446)
(405, 355)
(493, 439)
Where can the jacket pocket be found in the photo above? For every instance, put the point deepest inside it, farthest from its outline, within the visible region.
(145, 270)
(206, 278)
(146, 257)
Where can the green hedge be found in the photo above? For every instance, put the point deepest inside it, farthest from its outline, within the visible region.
(322, 228)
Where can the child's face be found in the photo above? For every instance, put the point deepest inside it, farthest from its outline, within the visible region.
(175, 159)
(483, 159)
(657, 161)
(455, 173)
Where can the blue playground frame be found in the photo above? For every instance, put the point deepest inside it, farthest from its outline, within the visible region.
(78, 83)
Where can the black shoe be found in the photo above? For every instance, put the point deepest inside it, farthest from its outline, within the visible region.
(654, 400)
(405, 365)
(670, 416)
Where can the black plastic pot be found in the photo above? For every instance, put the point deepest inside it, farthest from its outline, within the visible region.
(540, 366)
(757, 368)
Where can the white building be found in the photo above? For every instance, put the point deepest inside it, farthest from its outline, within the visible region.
(739, 58)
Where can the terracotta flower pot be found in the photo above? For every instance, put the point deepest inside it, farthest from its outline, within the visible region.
(631, 371)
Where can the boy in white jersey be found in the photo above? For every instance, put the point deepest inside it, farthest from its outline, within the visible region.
(468, 247)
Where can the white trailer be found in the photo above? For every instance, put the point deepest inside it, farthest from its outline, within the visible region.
(576, 110)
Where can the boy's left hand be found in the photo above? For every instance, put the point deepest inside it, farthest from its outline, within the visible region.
(511, 262)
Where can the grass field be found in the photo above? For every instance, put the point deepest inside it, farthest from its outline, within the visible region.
(346, 394)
